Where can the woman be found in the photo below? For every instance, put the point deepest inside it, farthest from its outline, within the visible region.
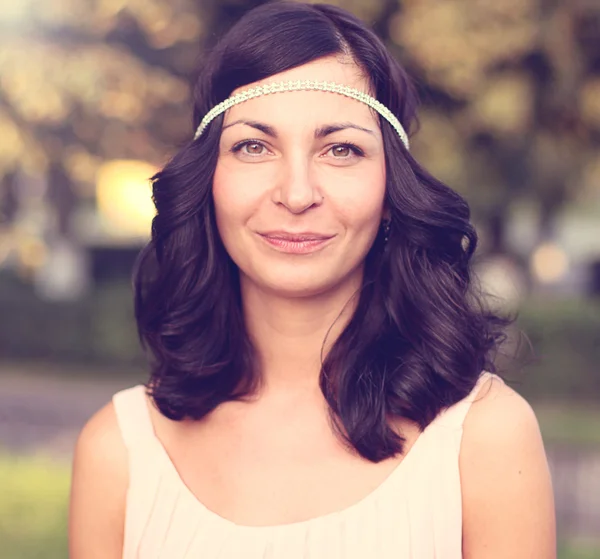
(321, 381)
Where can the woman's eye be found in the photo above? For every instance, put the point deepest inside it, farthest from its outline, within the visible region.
(254, 148)
(346, 151)
(249, 148)
(342, 151)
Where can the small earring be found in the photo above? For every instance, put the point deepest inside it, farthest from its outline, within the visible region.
(386, 230)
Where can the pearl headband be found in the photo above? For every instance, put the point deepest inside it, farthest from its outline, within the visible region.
(303, 85)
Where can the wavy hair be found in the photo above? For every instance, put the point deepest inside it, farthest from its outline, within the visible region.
(419, 337)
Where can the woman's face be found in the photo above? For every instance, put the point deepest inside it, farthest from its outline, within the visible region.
(299, 184)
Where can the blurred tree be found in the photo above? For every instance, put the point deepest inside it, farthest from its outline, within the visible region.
(511, 101)
(85, 81)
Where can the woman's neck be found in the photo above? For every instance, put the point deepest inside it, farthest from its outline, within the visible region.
(292, 335)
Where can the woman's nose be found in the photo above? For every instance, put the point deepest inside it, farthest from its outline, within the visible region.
(297, 189)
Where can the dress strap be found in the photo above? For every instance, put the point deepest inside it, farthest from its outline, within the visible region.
(133, 417)
(454, 416)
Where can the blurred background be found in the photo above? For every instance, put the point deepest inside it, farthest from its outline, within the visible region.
(95, 97)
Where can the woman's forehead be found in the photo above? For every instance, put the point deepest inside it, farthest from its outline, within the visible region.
(302, 109)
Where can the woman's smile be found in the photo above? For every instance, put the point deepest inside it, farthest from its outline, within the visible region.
(296, 243)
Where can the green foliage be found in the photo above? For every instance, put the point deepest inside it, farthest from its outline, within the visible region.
(33, 508)
(578, 550)
(101, 330)
(568, 424)
(98, 329)
(565, 338)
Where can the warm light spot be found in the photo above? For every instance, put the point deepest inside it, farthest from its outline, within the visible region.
(123, 195)
(12, 146)
(589, 101)
(506, 105)
(549, 263)
(502, 282)
(32, 253)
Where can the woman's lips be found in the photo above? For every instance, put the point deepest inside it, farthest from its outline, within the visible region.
(296, 243)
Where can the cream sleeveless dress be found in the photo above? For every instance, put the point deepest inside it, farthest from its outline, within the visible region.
(415, 513)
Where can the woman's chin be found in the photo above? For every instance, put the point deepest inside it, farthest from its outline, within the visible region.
(295, 289)
(294, 284)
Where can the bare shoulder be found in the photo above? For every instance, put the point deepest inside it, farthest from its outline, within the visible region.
(499, 411)
(98, 488)
(508, 505)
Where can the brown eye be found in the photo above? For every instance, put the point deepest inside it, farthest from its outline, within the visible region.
(341, 151)
(346, 151)
(249, 147)
(254, 148)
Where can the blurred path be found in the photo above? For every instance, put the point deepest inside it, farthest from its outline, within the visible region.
(45, 412)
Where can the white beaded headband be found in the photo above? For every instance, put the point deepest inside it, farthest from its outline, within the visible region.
(303, 85)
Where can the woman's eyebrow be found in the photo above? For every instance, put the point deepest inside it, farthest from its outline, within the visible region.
(320, 132)
(336, 127)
